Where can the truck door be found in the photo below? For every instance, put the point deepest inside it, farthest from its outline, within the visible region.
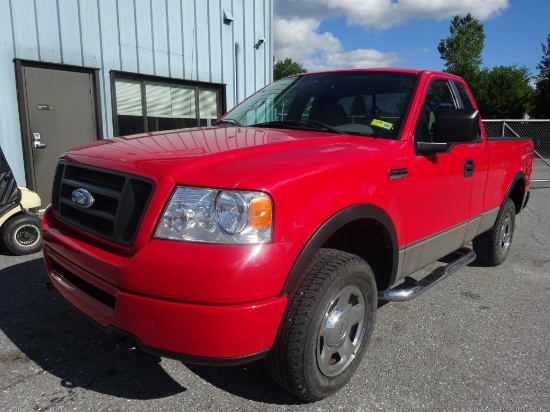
(441, 185)
(479, 154)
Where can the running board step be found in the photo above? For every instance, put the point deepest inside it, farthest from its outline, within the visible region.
(407, 291)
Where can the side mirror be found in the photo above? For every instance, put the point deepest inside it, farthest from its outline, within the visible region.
(456, 126)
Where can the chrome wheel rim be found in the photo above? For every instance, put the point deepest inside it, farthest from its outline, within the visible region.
(505, 237)
(342, 331)
(27, 235)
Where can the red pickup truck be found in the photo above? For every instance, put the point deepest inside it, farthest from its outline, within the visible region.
(275, 233)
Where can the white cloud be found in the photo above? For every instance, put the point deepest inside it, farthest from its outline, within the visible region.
(296, 26)
(382, 14)
(300, 40)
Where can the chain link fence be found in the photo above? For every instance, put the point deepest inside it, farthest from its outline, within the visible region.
(538, 130)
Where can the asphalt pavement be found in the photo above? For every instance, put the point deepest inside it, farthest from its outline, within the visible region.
(480, 340)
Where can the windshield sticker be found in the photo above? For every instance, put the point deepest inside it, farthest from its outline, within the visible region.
(381, 124)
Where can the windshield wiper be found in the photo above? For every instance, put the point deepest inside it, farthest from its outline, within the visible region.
(324, 126)
(299, 124)
(227, 122)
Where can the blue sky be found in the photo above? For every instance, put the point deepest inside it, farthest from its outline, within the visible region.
(328, 34)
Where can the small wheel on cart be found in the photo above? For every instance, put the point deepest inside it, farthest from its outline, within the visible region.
(22, 234)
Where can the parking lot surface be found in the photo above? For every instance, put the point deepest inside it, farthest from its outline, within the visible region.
(480, 340)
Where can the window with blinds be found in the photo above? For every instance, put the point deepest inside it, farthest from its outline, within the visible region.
(144, 105)
(129, 106)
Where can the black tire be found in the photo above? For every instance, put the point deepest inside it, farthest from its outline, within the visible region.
(22, 234)
(327, 326)
(492, 247)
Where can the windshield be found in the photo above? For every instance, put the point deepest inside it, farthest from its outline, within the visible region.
(364, 103)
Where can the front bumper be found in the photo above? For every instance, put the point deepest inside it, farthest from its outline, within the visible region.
(224, 308)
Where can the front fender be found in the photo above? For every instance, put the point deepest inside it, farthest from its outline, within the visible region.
(331, 226)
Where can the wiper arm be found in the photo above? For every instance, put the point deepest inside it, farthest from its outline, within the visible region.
(324, 126)
(291, 124)
(276, 123)
(227, 122)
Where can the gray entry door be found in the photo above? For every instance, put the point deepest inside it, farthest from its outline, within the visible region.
(61, 114)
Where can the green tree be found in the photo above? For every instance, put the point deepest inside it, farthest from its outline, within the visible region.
(501, 92)
(286, 67)
(504, 92)
(462, 49)
(541, 100)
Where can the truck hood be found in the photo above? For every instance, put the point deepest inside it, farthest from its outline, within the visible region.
(224, 156)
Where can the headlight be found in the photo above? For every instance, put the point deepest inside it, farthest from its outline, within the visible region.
(217, 216)
(231, 212)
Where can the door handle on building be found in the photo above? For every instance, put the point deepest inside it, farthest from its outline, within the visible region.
(36, 141)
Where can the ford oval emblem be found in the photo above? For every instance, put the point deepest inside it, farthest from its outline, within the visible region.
(82, 198)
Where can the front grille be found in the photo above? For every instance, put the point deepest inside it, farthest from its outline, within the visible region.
(92, 290)
(120, 201)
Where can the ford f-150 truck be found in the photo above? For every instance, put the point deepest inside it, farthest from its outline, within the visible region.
(274, 233)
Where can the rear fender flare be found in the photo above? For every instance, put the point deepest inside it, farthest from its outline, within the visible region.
(519, 176)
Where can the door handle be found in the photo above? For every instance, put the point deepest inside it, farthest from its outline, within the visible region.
(36, 141)
(469, 166)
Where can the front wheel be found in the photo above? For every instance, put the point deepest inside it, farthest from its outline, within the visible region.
(493, 246)
(22, 234)
(326, 328)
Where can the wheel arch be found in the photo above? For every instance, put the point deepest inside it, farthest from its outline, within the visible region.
(364, 230)
(516, 191)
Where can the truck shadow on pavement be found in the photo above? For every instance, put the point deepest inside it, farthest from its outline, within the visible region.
(51, 333)
(54, 335)
(248, 381)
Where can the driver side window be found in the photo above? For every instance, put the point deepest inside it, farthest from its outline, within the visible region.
(439, 96)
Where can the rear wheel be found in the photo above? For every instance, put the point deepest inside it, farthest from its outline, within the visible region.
(493, 246)
(22, 234)
(327, 326)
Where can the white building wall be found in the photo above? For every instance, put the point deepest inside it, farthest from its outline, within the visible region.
(181, 39)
